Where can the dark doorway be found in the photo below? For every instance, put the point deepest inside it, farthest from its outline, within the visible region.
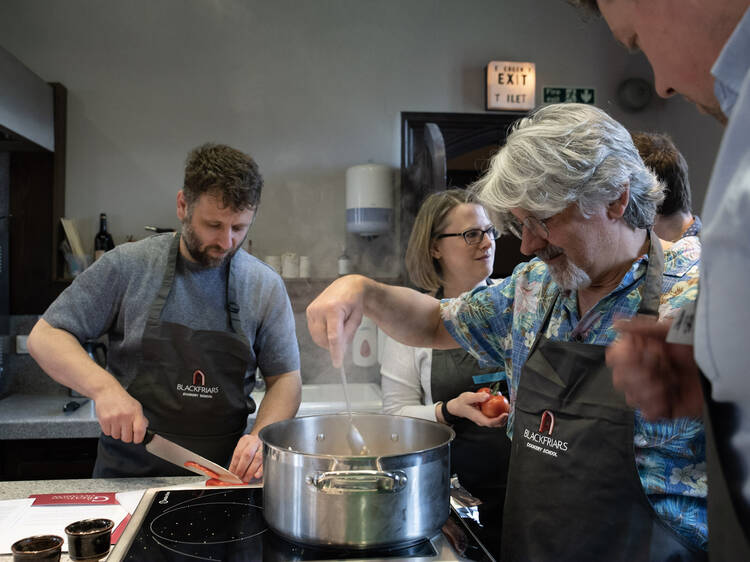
(446, 150)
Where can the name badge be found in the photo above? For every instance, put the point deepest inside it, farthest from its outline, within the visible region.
(683, 326)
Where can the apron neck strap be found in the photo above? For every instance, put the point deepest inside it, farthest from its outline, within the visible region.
(232, 307)
(651, 294)
(154, 315)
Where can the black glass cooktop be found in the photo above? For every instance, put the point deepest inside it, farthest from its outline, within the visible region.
(228, 525)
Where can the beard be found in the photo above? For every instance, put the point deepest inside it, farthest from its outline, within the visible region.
(565, 273)
(199, 252)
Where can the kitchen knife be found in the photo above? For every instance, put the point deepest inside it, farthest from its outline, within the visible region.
(176, 454)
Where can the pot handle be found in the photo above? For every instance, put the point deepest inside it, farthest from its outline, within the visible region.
(343, 481)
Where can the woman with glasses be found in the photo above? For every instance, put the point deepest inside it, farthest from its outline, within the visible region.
(451, 251)
(590, 478)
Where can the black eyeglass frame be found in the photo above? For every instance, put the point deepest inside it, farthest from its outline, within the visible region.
(491, 232)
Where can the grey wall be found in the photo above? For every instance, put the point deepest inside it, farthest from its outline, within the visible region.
(309, 87)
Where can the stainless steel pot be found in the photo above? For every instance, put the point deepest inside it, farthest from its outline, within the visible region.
(316, 492)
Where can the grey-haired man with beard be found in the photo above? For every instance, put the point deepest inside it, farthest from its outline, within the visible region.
(189, 318)
(589, 478)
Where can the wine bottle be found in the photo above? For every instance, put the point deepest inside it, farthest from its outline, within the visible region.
(103, 240)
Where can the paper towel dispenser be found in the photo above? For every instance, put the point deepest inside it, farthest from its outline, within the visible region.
(369, 199)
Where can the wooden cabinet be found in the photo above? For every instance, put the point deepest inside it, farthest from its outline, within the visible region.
(37, 201)
(32, 188)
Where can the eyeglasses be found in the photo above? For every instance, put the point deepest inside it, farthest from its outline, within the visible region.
(535, 225)
(473, 236)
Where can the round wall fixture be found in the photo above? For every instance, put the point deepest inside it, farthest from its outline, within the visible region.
(633, 94)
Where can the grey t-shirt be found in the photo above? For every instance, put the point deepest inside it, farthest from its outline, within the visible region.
(114, 296)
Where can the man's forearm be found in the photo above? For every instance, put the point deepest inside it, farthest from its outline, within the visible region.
(63, 358)
(408, 316)
(281, 401)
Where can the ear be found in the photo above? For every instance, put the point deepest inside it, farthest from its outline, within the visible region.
(181, 206)
(616, 208)
(434, 252)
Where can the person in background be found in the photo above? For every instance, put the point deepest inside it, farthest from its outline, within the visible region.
(189, 319)
(451, 250)
(702, 51)
(589, 478)
(674, 218)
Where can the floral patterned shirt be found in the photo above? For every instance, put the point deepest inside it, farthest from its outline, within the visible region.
(694, 229)
(498, 324)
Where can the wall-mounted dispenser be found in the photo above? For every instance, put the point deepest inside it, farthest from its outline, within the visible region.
(369, 199)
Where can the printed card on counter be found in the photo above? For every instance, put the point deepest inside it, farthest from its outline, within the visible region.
(106, 498)
(42, 514)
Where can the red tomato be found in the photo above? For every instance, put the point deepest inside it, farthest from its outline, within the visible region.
(495, 406)
(207, 471)
(217, 482)
(485, 389)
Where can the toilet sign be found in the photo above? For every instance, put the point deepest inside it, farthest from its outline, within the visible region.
(511, 85)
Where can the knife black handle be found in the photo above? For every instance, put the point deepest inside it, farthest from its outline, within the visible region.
(148, 437)
(72, 406)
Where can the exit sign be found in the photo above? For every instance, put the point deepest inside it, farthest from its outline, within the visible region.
(568, 95)
(510, 85)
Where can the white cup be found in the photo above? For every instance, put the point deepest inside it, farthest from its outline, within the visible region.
(274, 262)
(289, 265)
(304, 266)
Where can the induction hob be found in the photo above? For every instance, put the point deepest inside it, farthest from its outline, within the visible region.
(227, 524)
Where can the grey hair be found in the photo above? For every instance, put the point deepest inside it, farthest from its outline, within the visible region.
(568, 153)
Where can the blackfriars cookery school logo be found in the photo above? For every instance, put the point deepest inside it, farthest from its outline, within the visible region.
(545, 444)
(198, 389)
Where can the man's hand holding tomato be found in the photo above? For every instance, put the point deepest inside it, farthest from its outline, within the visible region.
(470, 405)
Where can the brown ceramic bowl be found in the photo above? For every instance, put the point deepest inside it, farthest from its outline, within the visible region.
(38, 547)
(89, 539)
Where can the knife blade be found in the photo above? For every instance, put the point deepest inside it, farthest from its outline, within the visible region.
(179, 455)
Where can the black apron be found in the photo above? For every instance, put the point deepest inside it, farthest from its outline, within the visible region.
(574, 493)
(728, 523)
(191, 385)
(479, 455)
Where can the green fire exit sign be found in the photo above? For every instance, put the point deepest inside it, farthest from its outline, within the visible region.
(573, 95)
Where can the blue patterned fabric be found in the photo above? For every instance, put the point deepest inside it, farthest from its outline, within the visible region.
(694, 229)
(498, 325)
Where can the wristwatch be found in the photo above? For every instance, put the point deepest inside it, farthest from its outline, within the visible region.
(449, 418)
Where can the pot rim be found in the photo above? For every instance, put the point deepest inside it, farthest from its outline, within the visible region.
(267, 429)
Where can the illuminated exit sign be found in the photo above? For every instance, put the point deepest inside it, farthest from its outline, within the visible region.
(557, 94)
(511, 85)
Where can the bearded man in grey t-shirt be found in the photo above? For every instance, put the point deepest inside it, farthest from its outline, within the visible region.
(189, 319)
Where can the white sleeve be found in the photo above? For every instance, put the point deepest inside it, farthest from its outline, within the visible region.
(405, 372)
